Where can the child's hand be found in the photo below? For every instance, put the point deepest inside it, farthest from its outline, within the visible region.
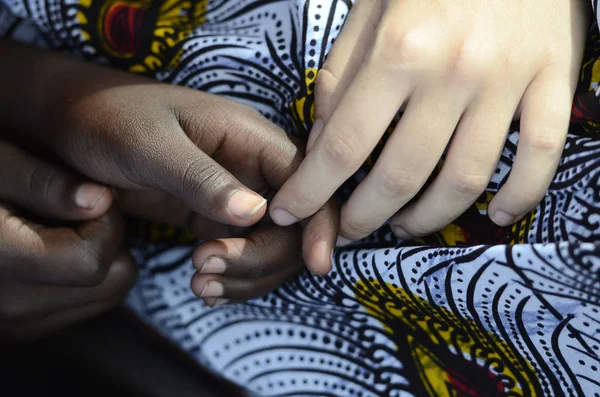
(242, 268)
(243, 263)
(137, 134)
(462, 67)
(52, 276)
(240, 265)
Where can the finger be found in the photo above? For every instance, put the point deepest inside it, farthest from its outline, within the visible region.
(64, 256)
(355, 127)
(245, 144)
(343, 62)
(544, 126)
(319, 238)
(214, 287)
(26, 304)
(160, 207)
(204, 185)
(48, 190)
(242, 140)
(468, 167)
(266, 251)
(407, 161)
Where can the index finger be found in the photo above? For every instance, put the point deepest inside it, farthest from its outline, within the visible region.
(352, 132)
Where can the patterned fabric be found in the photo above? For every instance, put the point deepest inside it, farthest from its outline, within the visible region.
(474, 310)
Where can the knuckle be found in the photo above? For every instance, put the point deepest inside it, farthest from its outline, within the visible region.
(225, 117)
(472, 63)
(244, 121)
(90, 273)
(325, 93)
(307, 198)
(469, 183)
(326, 82)
(547, 143)
(89, 267)
(342, 151)
(355, 229)
(40, 180)
(395, 182)
(203, 177)
(515, 60)
(404, 48)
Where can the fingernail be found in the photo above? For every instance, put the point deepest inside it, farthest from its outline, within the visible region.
(316, 130)
(214, 264)
(221, 302)
(342, 242)
(212, 289)
(282, 217)
(502, 218)
(401, 233)
(244, 204)
(88, 195)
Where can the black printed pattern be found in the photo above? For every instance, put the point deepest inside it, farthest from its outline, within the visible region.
(474, 310)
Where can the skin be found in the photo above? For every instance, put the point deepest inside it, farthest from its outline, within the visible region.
(53, 274)
(171, 154)
(461, 71)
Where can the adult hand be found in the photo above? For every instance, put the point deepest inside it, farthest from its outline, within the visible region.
(461, 70)
(137, 134)
(53, 276)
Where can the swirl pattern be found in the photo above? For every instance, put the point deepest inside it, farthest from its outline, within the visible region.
(473, 310)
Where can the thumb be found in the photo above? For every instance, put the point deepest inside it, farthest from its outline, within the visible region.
(187, 173)
(252, 147)
(47, 190)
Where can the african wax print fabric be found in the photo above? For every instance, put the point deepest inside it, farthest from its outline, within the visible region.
(473, 310)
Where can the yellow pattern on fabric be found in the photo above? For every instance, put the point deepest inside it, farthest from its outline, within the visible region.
(452, 235)
(392, 305)
(521, 229)
(175, 20)
(303, 106)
